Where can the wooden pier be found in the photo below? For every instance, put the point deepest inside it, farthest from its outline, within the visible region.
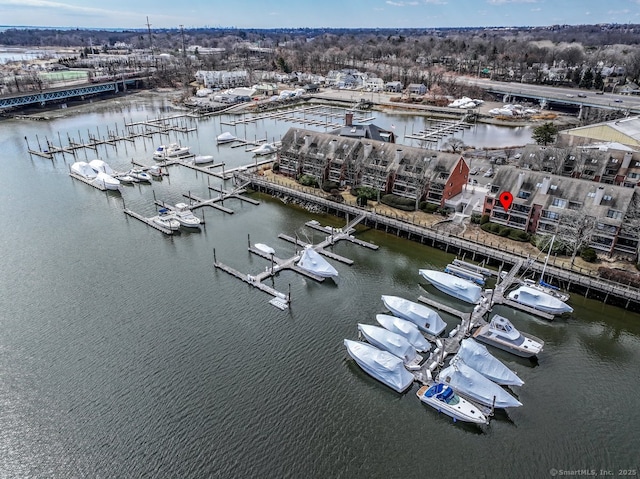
(88, 181)
(148, 221)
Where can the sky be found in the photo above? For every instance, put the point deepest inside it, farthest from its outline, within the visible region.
(314, 13)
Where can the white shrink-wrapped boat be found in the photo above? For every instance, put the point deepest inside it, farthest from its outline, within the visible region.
(397, 345)
(477, 356)
(425, 318)
(404, 328)
(459, 288)
(101, 166)
(225, 137)
(106, 181)
(473, 385)
(311, 261)
(539, 300)
(381, 365)
(83, 169)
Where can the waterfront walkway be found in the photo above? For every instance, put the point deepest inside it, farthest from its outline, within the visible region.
(459, 245)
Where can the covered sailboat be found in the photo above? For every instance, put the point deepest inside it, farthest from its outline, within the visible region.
(397, 345)
(381, 365)
(312, 262)
(470, 383)
(452, 285)
(479, 358)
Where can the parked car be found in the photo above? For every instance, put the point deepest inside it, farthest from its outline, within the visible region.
(617, 100)
(488, 173)
(582, 95)
(473, 171)
(473, 181)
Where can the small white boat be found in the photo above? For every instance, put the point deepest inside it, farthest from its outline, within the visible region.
(202, 159)
(452, 285)
(265, 149)
(404, 328)
(397, 345)
(264, 248)
(166, 220)
(185, 216)
(443, 399)
(539, 300)
(106, 181)
(470, 383)
(311, 261)
(139, 174)
(225, 137)
(83, 169)
(125, 178)
(381, 365)
(171, 150)
(101, 166)
(425, 318)
(155, 170)
(504, 335)
(476, 355)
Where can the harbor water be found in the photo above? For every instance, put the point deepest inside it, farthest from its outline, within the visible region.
(124, 353)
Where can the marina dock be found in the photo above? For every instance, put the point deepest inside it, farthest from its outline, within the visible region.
(148, 221)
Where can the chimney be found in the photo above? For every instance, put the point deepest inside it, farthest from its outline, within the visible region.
(348, 119)
(598, 197)
(544, 187)
(307, 140)
(368, 148)
(626, 160)
(521, 176)
(398, 155)
(332, 146)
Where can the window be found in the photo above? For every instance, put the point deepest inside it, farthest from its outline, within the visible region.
(607, 198)
(524, 194)
(559, 202)
(552, 215)
(594, 160)
(554, 187)
(615, 214)
(591, 194)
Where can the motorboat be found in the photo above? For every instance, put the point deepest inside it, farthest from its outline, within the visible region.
(171, 150)
(202, 159)
(470, 383)
(185, 216)
(536, 299)
(381, 365)
(548, 288)
(392, 342)
(404, 328)
(504, 335)
(479, 358)
(84, 170)
(311, 261)
(225, 137)
(425, 318)
(125, 178)
(105, 181)
(101, 166)
(156, 171)
(166, 219)
(444, 399)
(139, 174)
(265, 149)
(459, 288)
(266, 249)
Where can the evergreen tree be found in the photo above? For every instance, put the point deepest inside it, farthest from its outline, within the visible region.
(545, 134)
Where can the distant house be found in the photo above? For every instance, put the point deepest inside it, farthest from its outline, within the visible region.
(416, 89)
(374, 84)
(394, 87)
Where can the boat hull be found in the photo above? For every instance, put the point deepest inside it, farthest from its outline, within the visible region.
(463, 410)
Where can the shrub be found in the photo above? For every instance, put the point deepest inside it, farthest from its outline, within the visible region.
(519, 235)
(428, 207)
(399, 202)
(328, 186)
(484, 219)
(475, 218)
(589, 255)
(276, 167)
(619, 276)
(365, 191)
(362, 200)
(308, 180)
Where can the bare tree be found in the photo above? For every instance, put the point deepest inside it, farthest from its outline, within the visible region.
(453, 144)
(574, 231)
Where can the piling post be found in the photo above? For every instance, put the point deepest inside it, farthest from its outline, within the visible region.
(289, 295)
(248, 240)
(38, 140)
(214, 256)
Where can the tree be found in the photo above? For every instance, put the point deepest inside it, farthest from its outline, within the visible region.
(574, 232)
(598, 82)
(545, 134)
(454, 144)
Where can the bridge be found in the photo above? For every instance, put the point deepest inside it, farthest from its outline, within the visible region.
(58, 94)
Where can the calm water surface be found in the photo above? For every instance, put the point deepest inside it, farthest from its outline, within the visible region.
(124, 353)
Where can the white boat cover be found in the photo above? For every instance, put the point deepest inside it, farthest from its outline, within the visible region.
(404, 328)
(381, 365)
(312, 262)
(265, 149)
(264, 248)
(83, 169)
(425, 318)
(539, 300)
(225, 137)
(199, 159)
(106, 181)
(101, 166)
(471, 383)
(382, 338)
(479, 358)
(452, 285)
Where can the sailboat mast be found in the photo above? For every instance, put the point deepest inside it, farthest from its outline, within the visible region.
(547, 260)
